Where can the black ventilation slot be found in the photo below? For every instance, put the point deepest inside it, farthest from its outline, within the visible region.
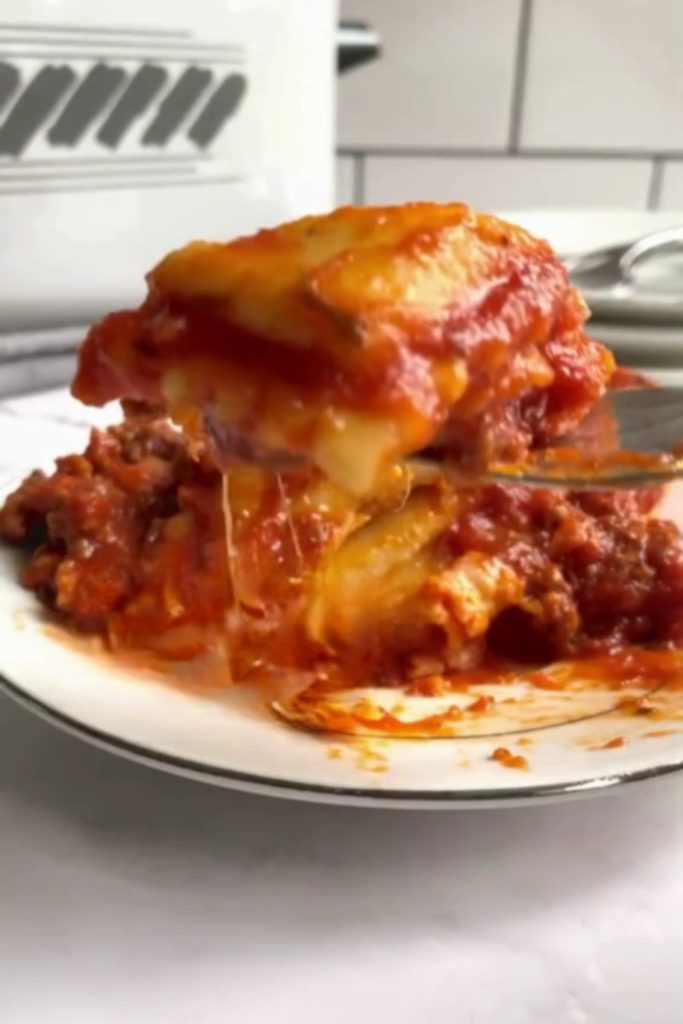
(9, 80)
(90, 99)
(139, 93)
(176, 106)
(220, 107)
(33, 108)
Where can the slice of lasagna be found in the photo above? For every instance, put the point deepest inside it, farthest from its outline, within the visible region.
(357, 338)
(340, 346)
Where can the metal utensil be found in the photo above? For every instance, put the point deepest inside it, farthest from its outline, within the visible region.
(630, 439)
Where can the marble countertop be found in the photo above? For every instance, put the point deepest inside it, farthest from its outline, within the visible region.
(131, 896)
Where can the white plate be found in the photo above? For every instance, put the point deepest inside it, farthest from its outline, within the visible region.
(655, 298)
(232, 740)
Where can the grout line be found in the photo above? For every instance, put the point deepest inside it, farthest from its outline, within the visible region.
(358, 183)
(654, 192)
(520, 74)
(416, 151)
(474, 152)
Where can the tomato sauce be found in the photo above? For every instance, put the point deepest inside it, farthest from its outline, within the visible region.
(127, 541)
(510, 760)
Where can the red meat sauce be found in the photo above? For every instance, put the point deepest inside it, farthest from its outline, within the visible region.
(605, 575)
(127, 541)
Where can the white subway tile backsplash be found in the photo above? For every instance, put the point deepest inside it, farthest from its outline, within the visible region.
(444, 78)
(345, 176)
(499, 183)
(593, 78)
(671, 196)
(605, 75)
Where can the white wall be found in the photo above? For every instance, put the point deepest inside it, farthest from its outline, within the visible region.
(516, 103)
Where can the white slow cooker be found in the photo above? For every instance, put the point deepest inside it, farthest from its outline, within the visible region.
(127, 129)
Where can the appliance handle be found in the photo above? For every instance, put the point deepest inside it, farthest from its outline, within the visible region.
(357, 43)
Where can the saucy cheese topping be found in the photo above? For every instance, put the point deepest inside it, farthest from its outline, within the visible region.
(356, 338)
